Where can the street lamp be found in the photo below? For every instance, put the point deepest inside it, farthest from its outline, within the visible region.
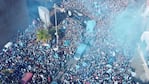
(56, 28)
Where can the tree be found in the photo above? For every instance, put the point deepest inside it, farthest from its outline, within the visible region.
(43, 35)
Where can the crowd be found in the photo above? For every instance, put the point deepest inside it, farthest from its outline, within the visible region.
(102, 63)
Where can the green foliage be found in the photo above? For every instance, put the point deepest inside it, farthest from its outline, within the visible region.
(43, 35)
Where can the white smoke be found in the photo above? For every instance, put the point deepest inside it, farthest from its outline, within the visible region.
(139, 64)
(145, 38)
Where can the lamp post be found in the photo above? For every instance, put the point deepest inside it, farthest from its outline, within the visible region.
(56, 28)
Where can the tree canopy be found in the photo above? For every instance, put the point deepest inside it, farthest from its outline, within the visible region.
(43, 35)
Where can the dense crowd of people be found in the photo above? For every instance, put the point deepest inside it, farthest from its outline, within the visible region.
(102, 63)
